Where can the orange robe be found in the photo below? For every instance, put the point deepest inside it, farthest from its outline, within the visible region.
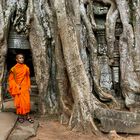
(19, 85)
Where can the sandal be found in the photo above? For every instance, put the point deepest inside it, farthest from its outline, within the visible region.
(21, 120)
(30, 120)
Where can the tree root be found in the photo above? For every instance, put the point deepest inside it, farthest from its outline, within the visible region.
(82, 120)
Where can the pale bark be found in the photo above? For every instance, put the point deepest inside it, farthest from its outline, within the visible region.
(129, 80)
(76, 8)
(29, 12)
(4, 28)
(65, 97)
(63, 85)
(90, 13)
(136, 23)
(2, 52)
(94, 62)
(39, 50)
(81, 115)
(111, 18)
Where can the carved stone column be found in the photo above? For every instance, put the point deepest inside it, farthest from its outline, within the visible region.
(100, 12)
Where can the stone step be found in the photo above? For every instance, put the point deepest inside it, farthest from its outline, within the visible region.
(121, 121)
(34, 87)
(120, 126)
(9, 106)
(34, 90)
(24, 131)
(7, 122)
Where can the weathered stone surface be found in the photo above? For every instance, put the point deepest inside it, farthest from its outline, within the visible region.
(18, 41)
(7, 122)
(24, 131)
(132, 101)
(9, 105)
(99, 9)
(121, 121)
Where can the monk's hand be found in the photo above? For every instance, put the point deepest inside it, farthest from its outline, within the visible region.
(30, 90)
(19, 87)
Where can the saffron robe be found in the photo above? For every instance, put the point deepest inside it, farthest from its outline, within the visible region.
(19, 85)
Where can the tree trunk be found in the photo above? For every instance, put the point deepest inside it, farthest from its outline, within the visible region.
(4, 28)
(129, 79)
(136, 22)
(77, 76)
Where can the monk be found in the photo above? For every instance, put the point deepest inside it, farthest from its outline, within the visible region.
(19, 88)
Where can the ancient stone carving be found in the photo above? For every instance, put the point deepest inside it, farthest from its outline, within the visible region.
(100, 12)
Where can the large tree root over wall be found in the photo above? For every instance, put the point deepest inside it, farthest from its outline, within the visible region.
(84, 101)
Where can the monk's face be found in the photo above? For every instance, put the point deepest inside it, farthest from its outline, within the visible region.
(20, 59)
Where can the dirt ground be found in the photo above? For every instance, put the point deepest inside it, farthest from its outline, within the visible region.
(53, 130)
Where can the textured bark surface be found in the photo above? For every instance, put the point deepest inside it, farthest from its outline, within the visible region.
(129, 78)
(136, 22)
(85, 55)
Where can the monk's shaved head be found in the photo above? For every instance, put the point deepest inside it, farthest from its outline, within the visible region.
(20, 58)
(19, 54)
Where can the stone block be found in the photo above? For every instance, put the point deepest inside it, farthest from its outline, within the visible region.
(120, 121)
(24, 131)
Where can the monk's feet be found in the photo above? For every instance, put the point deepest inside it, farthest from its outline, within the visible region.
(21, 120)
(30, 120)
